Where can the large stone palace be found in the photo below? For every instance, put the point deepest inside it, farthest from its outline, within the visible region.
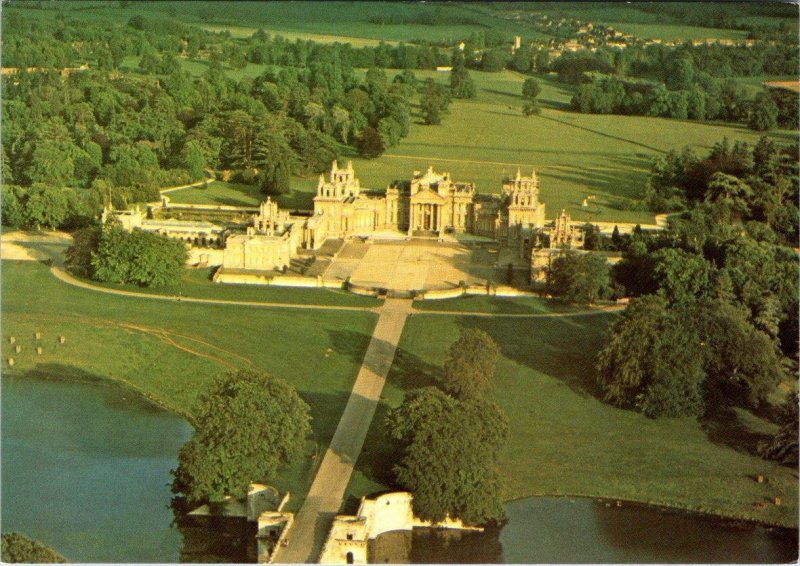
(430, 205)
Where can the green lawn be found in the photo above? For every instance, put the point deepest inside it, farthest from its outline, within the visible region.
(197, 283)
(219, 192)
(565, 441)
(240, 194)
(171, 351)
(504, 305)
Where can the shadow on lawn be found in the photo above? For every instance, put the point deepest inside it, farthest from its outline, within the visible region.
(604, 134)
(326, 410)
(611, 185)
(411, 372)
(563, 348)
(349, 343)
(725, 427)
(377, 458)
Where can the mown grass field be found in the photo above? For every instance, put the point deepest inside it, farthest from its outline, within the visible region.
(197, 283)
(565, 441)
(576, 155)
(500, 305)
(171, 351)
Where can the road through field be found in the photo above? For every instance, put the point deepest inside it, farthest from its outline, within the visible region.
(313, 521)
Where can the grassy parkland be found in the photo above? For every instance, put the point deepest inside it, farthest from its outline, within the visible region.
(170, 352)
(497, 305)
(196, 283)
(565, 441)
(577, 156)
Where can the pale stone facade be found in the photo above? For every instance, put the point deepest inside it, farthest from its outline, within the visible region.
(563, 235)
(194, 233)
(270, 243)
(430, 204)
(347, 541)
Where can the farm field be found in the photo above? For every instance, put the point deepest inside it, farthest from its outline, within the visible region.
(171, 352)
(368, 24)
(669, 32)
(565, 441)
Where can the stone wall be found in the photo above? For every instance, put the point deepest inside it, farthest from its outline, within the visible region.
(204, 257)
(347, 541)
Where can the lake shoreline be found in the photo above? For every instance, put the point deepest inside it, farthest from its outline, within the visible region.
(661, 505)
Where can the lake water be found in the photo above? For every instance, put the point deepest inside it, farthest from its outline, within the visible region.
(85, 469)
(577, 530)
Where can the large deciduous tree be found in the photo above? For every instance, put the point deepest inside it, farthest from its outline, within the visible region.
(140, 258)
(653, 363)
(470, 366)
(461, 84)
(763, 113)
(247, 426)
(449, 451)
(434, 102)
(78, 257)
(370, 143)
(579, 278)
(783, 447)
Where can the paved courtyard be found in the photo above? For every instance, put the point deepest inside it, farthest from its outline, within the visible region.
(415, 264)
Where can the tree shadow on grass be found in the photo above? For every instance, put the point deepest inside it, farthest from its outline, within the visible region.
(563, 348)
(412, 372)
(326, 410)
(612, 185)
(605, 134)
(724, 426)
(349, 343)
(377, 458)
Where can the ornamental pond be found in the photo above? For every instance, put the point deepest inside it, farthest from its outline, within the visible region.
(86, 470)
